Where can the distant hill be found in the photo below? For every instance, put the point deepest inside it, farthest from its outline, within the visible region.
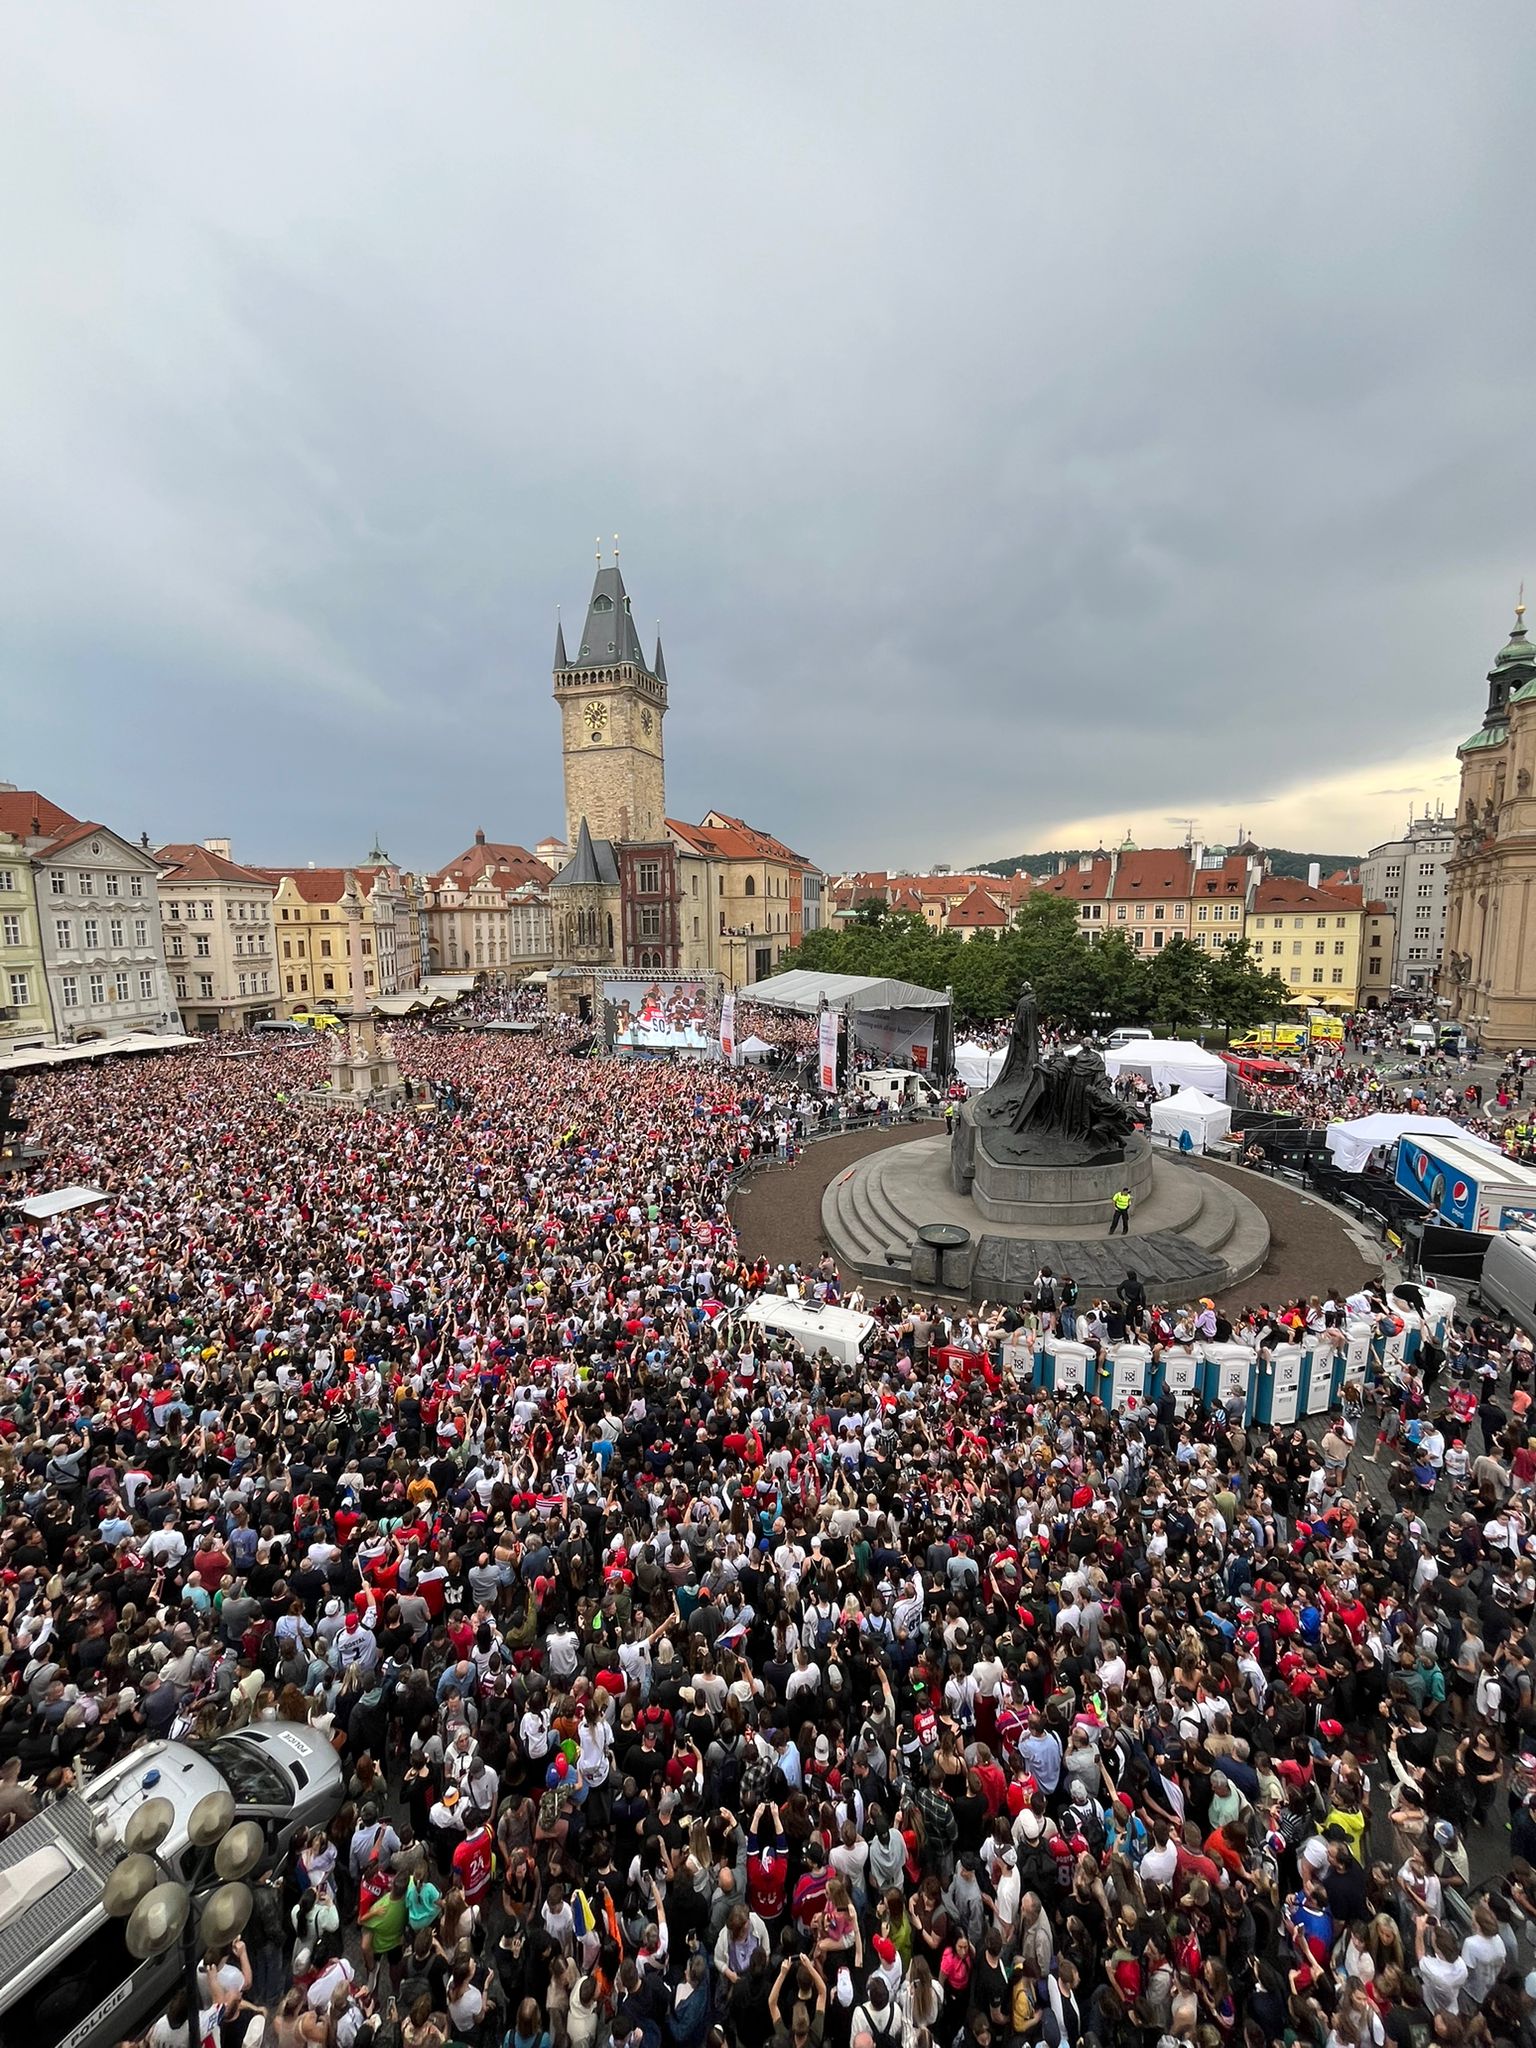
(1281, 862)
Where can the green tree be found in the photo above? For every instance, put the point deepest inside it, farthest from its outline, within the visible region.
(1176, 984)
(1239, 992)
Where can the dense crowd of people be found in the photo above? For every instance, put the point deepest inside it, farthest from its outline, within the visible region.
(690, 1689)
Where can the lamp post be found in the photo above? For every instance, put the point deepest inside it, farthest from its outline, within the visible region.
(1098, 1019)
(157, 1904)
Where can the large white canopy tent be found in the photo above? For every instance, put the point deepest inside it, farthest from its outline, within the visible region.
(1351, 1144)
(896, 1020)
(1191, 1109)
(978, 1066)
(1171, 1064)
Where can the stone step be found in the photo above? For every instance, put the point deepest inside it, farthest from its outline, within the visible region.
(1217, 1218)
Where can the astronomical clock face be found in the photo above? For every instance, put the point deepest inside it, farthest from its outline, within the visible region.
(597, 721)
(646, 721)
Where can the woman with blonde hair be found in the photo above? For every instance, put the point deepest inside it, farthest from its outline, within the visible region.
(920, 2002)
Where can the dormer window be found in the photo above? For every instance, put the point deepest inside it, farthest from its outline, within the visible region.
(602, 604)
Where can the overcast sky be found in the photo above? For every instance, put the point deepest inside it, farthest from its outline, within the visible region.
(1024, 422)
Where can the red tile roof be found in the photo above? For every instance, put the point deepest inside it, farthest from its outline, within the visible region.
(1153, 872)
(1289, 892)
(27, 814)
(978, 910)
(1081, 884)
(762, 845)
(489, 857)
(1230, 879)
(194, 863)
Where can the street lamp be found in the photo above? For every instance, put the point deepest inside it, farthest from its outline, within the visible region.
(1098, 1019)
(157, 1905)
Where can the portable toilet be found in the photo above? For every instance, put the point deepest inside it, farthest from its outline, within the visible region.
(1068, 1368)
(1020, 1357)
(1127, 1375)
(1177, 1372)
(1322, 1374)
(1439, 1313)
(1277, 1393)
(1228, 1369)
(1361, 1351)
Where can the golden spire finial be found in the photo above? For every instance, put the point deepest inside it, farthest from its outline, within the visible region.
(1520, 604)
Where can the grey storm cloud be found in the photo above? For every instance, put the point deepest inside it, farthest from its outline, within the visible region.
(1010, 414)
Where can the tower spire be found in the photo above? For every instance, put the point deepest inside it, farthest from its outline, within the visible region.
(561, 660)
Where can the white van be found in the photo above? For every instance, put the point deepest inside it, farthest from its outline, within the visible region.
(899, 1087)
(1508, 1279)
(1128, 1034)
(842, 1333)
(1419, 1039)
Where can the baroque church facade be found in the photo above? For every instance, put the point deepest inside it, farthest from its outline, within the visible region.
(1488, 968)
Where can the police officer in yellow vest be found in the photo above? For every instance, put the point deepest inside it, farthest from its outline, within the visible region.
(1121, 1219)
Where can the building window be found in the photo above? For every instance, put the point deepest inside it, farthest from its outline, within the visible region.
(367, 947)
(56, 881)
(8, 882)
(177, 946)
(208, 913)
(1321, 946)
(202, 946)
(1375, 939)
(1275, 945)
(89, 930)
(1157, 913)
(328, 981)
(21, 991)
(205, 986)
(86, 883)
(1317, 974)
(69, 991)
(1338, 947)
(1295, 945)
(650, 878)
(695, 881)
(650, 921)
(1338, 976)
(749, 886)
(135, 885)
(115, 931)
(1295, 974)
(1178, 913)
(120, 984)
(288, 979)
(10, 927)
(146, 984)
(325, 949)
(181, 987)
(1120, 913)
(113, 884)
(96, 984)
(141, 931)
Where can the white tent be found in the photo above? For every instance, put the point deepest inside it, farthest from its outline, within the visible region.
(1171, 1063)
(979, 1065)
(1351, 1144)
(1192, 1110)
(755, 1048)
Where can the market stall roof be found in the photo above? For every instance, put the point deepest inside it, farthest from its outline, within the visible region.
(802, 990)
(59, 1202)
(447, 984)
(96, 1049)
(1351, 1143)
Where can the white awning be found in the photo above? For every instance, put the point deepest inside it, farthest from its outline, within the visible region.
(60, 1201)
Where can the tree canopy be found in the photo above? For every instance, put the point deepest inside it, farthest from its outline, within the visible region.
(1084, 984)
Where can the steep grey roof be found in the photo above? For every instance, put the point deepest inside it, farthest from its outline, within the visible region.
(659, 671)
(609, 634)
(591, 866)
(560, 656)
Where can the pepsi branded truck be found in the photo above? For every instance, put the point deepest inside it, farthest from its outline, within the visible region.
(1464, 1186)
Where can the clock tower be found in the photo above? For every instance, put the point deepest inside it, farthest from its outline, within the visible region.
(612, 707)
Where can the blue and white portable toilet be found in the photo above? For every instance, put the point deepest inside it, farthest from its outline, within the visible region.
(1322, 1375)
(1177, 1372)
(1362, 1354)
(1126, 1377)
(1228, 1369)
(1069, 1368)
(1278, 1386)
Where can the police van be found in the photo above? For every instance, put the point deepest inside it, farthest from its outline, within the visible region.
(67, 1976)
